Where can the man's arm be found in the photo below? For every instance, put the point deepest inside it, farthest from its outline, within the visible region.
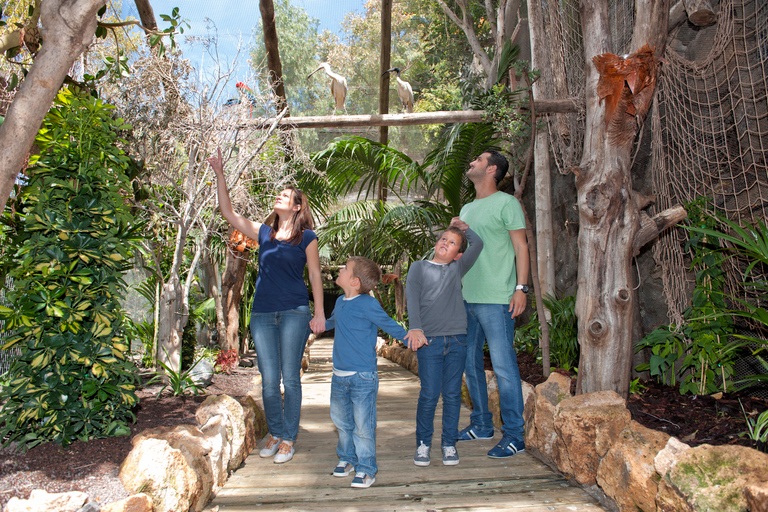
(522, 262)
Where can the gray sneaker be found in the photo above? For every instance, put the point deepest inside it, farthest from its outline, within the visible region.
(422, 455)
(450, 456)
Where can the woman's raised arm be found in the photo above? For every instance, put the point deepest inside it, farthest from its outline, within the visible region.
(247, 227)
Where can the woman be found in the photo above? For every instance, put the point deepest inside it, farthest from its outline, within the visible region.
(280, 316)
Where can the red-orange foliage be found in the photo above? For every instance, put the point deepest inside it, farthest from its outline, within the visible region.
(240, 242)
(227, 360)
(626, 84)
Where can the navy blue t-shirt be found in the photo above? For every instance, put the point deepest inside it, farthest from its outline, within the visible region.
(280, 285)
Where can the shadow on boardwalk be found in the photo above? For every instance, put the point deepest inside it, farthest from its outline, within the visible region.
(477, 483)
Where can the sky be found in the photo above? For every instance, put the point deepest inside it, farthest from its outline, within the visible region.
(235, 20)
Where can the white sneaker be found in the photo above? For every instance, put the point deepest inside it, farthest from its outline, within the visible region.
(284, 453)
(270, 448)
(362, 481)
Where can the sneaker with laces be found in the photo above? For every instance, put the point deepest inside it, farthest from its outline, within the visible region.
(362, 481)
(474, 434)
(270, 448)
(422, 455)
(342, 469)
(450, 456)
(284, 453)
(507, 447)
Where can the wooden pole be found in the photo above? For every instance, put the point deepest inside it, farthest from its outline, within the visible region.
(386, 47)
(418, 118)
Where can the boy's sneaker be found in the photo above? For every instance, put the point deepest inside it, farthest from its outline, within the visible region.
(450, 456)
(507, 447)
(343, 469)
(422, 455)
(361, 480)
(271, 447)
(284, 453)
(473, 434)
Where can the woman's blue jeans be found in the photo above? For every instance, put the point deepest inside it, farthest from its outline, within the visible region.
(441, 365)
(353, 411)
(493, 323)
(279, 338)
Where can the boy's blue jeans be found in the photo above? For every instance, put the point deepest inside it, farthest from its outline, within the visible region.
(493, 323)
(441, 364)
(279, 338)
(353, 411)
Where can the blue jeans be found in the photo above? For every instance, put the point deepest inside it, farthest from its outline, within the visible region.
(493, 323)
(353, 411)
(279, 338)
(441, 364)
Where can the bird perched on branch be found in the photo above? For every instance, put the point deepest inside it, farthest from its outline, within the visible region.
(626, 84)
(404, 90)
(338, 86)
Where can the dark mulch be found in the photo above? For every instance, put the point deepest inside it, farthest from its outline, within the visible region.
(693, 419)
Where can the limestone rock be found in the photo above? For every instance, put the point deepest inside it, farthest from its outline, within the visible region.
(42, 501)
(215, 432)
(668, 457)
(627, 473)
(202, 373)
(540, 432)
(134, 503)
(757, 497)
(162, 472)
(588, 425)
(710, 477)
(255, 423)
(233, 412)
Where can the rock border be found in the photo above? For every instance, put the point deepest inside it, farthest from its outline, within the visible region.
(592, 441)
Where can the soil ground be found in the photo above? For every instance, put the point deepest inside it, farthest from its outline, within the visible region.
(93, 466)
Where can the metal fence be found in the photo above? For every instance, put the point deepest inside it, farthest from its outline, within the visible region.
(6, 356)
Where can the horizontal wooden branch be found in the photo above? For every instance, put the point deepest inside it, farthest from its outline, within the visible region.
(650, 228)
(419, 118)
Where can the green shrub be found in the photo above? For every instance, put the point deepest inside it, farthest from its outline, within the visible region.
(72, 246)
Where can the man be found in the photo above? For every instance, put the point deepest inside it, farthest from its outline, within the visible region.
(494, 292)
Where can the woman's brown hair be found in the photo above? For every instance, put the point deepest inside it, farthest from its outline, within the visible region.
(302, 219)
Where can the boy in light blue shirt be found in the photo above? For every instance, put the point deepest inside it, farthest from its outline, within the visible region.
(355, 383)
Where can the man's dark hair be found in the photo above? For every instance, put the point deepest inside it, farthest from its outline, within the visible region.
(502, 166)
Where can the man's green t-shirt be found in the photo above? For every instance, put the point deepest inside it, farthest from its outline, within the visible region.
(493, 277)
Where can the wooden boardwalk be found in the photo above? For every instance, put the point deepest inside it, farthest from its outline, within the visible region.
(478, 483)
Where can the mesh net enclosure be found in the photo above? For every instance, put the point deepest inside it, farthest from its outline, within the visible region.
(710, 134)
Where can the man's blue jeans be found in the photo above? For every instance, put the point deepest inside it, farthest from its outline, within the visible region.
(493, 323)
(279, 338)
(353, 411)
(441, 365)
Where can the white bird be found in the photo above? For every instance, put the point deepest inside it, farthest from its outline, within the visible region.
(404, 90)
(338, 85)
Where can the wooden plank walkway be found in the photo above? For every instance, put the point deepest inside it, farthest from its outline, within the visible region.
(478, 483)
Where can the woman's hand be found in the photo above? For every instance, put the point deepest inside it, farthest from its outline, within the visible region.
(317, 324)
(217, 164)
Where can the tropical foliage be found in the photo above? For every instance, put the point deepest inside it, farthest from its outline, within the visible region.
(73, 237)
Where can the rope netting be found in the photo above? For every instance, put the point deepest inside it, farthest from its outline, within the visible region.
(710, 135)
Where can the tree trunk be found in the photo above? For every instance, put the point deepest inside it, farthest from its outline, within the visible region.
(232, 294)
(146, 14)
(384, 61)
(68, 28)
(274, 64)
(173, 319)
(609, 217)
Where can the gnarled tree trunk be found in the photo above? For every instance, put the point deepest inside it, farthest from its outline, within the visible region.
(609, 214)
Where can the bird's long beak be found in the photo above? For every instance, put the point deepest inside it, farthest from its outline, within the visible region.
(315, 71)
(388, 71)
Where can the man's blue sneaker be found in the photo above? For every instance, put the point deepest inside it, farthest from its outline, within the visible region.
(507, 447)
(473, 434)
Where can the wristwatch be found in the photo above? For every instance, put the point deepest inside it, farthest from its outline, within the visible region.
(523, 287)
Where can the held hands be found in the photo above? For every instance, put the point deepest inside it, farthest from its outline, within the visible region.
(458, 223)
(317, 324)
(415, 339)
